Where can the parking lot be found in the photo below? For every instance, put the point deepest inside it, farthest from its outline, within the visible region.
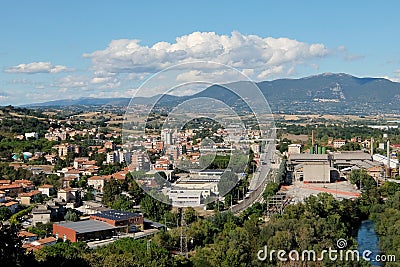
(298, 191)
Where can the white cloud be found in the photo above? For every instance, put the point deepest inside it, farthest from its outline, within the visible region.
(256, 55)
(3, 96)
(270, 72)
(395, 78)
(37, 67)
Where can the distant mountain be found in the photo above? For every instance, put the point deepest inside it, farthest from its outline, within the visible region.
(325, 93)
(91, 101)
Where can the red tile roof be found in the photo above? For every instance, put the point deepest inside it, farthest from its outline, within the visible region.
(30, 194)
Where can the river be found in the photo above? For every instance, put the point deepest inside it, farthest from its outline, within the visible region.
(368, 240)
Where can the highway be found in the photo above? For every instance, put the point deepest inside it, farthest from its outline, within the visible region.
(265, 173)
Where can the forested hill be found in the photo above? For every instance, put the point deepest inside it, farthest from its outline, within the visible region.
(15, 121)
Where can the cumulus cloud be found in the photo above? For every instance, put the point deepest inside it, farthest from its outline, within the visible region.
(395, 77)
(252, 54)
(37, 67)
(3, 96)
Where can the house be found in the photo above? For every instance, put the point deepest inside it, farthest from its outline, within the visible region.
(38, 244)
(41, 214)
(46, 189)
(68, 180)
(97, 182)
(27, 185)
(338, 143)
(27, 237)
(12, 190)
(12, 205)
(31, 135)
(294, 149)
(79, 162)
(123, 220)
(68, 194)
(29, 197)
(2, 196)
(5, 182)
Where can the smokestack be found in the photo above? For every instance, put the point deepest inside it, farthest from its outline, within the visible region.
(312, 138)
(372, 146)
(388, 158)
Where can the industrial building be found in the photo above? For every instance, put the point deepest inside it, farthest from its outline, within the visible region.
(317, 171)
(101, 225)
(87, 230)
(318, 167)
(123, 220)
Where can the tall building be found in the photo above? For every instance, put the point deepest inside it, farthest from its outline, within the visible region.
(166, 137)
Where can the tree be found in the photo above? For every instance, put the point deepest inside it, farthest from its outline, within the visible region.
(136, 192)
(11, 252)
(122, 203)
(71, 216)
(190, 215)
(89, 195)
(362, 179)
(351, 146)
(111, 190)
(5, 213)
(153, 208)
(99, 158)
(270, 189)
(389, 188)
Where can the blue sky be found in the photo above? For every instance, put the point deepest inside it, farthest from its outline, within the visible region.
(69, 49)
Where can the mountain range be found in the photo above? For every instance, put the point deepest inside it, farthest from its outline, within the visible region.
(330, 93)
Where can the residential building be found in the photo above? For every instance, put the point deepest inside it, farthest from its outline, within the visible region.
(29, 197)
(27, 237)
(338, 143)
(46, 189)
(31, 135)
(294, 149)
(41, 214)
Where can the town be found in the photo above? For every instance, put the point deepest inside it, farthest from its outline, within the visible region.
(77, 181)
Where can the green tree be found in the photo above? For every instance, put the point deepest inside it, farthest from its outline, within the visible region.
(190, 215)
(71, 216)
(362, 179)
(111, 190)
(5, 213)
(11, 252)
(270, 189)
(153, 208)
(351, 146)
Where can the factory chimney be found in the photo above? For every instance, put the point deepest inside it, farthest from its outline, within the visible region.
(388, 159)
(312, 138)
(372, 146)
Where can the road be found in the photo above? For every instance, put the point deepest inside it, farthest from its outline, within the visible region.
(265, 173)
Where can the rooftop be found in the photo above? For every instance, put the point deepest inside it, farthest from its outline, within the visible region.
(305, 156)
(116, 215)
(30, 194)
(87, 226)
(352, 155)
(26, 234)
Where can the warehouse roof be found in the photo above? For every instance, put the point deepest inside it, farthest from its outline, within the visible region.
(87, 226)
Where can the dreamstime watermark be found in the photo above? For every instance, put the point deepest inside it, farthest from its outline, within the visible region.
(332, 254)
